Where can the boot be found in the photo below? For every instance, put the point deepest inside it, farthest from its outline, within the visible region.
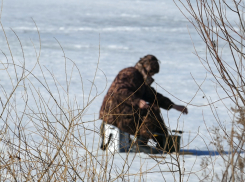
(140, 145)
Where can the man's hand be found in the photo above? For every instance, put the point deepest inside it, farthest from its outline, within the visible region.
(182, 109)
(143, 104)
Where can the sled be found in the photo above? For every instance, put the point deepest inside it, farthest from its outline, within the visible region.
(115, 140)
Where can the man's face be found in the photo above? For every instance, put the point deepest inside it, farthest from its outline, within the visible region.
(148, 70)
(151, 74)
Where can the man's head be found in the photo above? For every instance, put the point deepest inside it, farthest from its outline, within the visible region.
(148, 66)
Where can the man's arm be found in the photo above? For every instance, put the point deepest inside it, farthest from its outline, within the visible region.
(126, 85)
(152, 96)
(182, 109)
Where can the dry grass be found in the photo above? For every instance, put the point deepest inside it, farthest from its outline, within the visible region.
(44, 136)
(220, 24)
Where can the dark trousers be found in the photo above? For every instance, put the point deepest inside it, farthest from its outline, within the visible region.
(143, 123)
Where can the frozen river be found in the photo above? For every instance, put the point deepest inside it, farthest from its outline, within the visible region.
(115, 34)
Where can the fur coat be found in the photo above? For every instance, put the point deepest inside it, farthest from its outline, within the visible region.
(120, 106)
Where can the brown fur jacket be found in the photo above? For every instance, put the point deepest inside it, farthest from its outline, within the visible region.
(120, 105)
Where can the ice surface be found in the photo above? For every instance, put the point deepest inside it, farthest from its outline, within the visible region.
(118, 33)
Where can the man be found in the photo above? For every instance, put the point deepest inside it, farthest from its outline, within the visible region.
(132, 105)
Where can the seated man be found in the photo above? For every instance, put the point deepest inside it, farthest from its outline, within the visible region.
(132, 105)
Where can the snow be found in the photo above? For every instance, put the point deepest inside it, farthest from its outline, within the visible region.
(116, 34)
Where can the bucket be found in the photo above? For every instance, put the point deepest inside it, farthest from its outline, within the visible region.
(169, 144)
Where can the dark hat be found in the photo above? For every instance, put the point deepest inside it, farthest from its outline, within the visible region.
(150, 63)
